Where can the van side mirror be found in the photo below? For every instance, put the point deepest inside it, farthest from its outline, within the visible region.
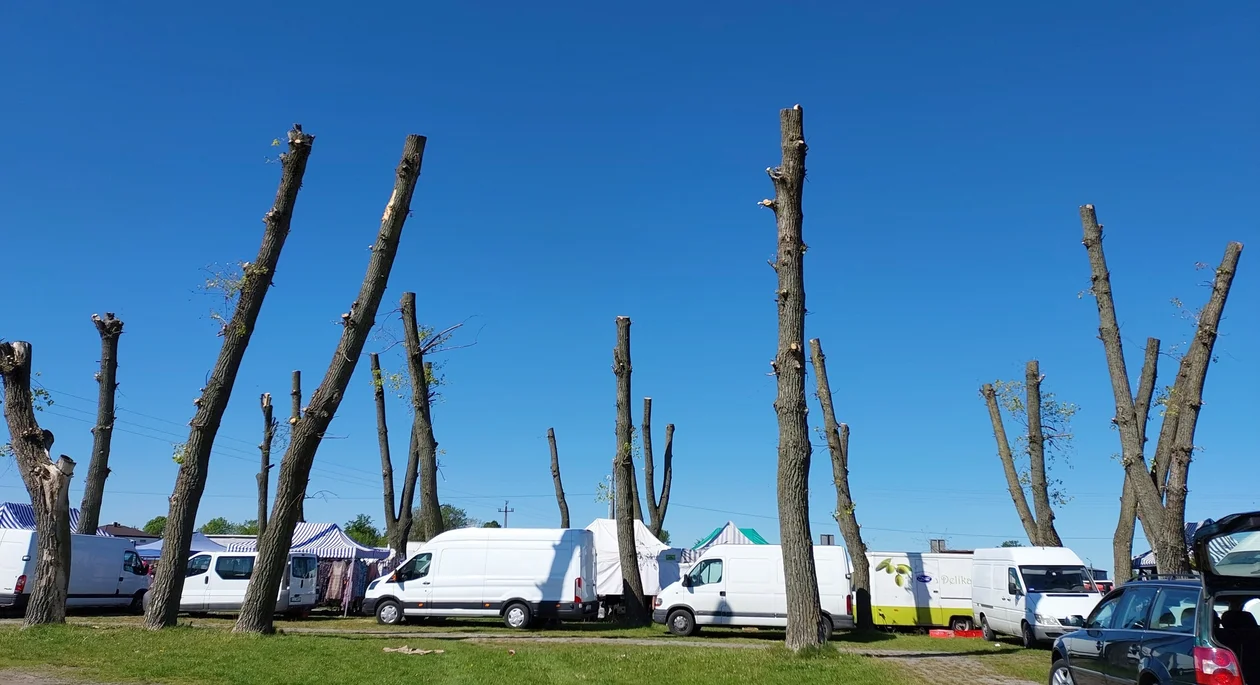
(686, 581)
(1013, 589)
(1077, 620)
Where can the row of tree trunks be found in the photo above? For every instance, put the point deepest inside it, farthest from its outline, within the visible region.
(555, 477)
(398, 515)
(168, 582)
(846, 510)
(423, 448)
(264, 467)
(258, 608)
(47, 482)
(657, 508)
(804, 617)
(1163, 518)
(110, 329)
(637, 612)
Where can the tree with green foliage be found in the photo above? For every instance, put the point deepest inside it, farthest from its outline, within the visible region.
(361, 530)
(155, 526)
(218, 526)
(491, 524)
(1011, 543)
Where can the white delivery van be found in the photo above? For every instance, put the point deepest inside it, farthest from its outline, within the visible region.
(104, 571)
(216, 581)
(742, 585)
(518, 574)
(921, 590)
(1030, 592)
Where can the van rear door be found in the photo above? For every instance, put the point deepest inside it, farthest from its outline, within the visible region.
(303, 570)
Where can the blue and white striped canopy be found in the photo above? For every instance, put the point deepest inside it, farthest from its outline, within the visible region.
(324, 540)
(1217, 548)
(21, 516)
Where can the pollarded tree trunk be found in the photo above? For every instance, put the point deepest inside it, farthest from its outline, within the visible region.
(1013, 486)
(1049, 537)
(264, 468)
(555, 477)
(259, 606)
(397, 520)
(636, 502)
(110, 329)
(295, 413)
(1164, 522)
(637, 613)
(657, 508)
(168, 582)
(804, 616)
(423, 452)
(846, 510)
(47, 483)
(1122, 542)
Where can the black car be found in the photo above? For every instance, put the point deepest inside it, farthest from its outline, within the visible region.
(1184, 631)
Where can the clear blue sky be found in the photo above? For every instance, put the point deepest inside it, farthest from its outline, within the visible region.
(586, 163)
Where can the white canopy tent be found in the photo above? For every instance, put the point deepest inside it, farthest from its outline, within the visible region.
(658, 562)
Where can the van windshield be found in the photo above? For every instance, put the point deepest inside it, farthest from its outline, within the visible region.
(1055, 578)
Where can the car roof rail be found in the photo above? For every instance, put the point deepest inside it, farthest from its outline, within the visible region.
(1166, 576)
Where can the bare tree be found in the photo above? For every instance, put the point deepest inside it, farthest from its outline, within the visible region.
(555, 477)
(1122, 542)
(632, 583)
(423, 447)
(846, 510)
(110, 329)
(264, 468)
(47, 483)
(657, 508)
(168, 582)
(295, 413)
(804, 617)
(1163, 518)
(397, 520)
(1038, 412)
(259, 605)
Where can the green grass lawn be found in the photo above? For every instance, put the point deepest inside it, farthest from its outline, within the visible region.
(186, 655)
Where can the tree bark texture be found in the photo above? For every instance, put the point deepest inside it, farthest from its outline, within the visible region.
(637, 613)
(258, 608)
(48, 484)
(397, 515)
(109, 329)
(636, 502)
(1049, 537)
(295, 413)
(804, 617)
(846, 510)
(1162, 516)
(168, 582)
(422, 455)
(1008, 466)
(1122, 542)
(555, 477)
(657, 508)
(264, 467)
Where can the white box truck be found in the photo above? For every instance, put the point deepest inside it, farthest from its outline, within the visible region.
(521, 575)
(105, 572)
(1033, 593)
(742, 585)
(216, 581)
(921, 590)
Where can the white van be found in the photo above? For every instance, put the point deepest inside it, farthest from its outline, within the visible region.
(1030, 592)
(518, 574)
(921, 590)
(104, 571)
(742, 585)
(216, 581)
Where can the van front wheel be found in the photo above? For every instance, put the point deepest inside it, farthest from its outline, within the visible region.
(681, 623)
(517, 616)
(389, 613)
(989, 635)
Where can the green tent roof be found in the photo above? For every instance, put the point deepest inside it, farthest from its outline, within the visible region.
(753, 536)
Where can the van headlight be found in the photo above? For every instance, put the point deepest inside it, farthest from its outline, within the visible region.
(1046, 620)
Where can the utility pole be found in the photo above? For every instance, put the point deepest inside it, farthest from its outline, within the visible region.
(505, 511)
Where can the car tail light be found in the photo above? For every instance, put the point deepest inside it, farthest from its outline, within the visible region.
(21, 585)
(848, 604)
(577, 591)
(1215, 666)
(656, 603)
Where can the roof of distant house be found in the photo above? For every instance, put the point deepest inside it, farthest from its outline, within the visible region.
(118, 530)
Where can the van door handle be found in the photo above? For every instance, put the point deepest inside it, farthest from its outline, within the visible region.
(206, 581)
(425, 583)
(722, 593)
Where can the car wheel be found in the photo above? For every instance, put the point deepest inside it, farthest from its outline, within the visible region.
(960, 624)
(1027, 636)
(1060, 674)
(389, 613)
(138, 603)
(989, 635)
(682, 623)
(825, 628)
(517, 616)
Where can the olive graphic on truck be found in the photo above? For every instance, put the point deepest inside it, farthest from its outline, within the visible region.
(901, 572)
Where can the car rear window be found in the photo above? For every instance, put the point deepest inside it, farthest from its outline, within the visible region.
(1235, 555)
